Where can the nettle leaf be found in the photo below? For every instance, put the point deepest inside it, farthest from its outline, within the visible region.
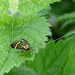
(33, 31)
(15, 25)
(4, 6)
(55, 59)
(25, 6)
(34, 5)
(45, 13)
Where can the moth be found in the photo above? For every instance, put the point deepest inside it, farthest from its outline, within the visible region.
(23, 44)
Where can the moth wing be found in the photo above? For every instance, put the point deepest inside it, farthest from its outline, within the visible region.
(14, 44)
(24, 41)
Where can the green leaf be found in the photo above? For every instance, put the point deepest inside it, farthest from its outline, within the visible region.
(27, 7)
(34, 6)
(55, 59)
(17, 25)
(32, 29)
(68, 24)
(4, 6)
(67, 16)
(45, 13)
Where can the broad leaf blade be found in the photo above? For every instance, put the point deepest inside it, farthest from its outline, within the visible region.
(56, 59)
(34, 6)
(4, 6)
(34, 30)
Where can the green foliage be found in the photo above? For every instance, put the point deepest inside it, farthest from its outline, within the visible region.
(18, 22)
(65, 6)
(55, 59)
(62, 17)
(45, 13)
(67, 16)
(34, 5)
(21, 29)
(69, 19)
(68, 24)
(4, 6)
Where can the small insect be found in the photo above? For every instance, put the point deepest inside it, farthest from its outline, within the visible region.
(23, 44)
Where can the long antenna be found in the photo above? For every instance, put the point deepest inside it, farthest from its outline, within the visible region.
(59, 38)
(62, 37)
(12, 27)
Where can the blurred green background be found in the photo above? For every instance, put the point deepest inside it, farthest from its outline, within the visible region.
(61, 15)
